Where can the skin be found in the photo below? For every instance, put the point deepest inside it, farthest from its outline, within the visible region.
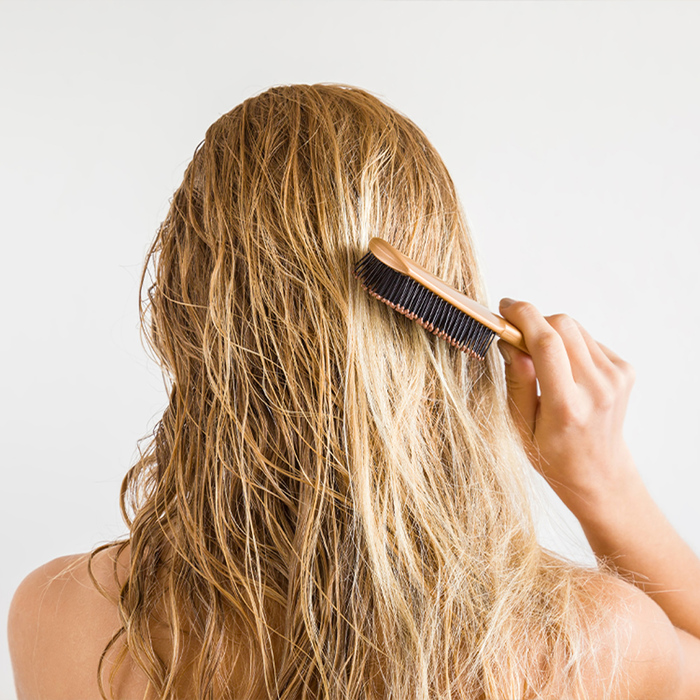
(58, 625)
(572, 431)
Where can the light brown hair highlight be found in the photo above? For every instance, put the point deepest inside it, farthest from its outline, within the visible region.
(332, 493)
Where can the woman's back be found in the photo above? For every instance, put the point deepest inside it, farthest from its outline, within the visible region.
(60, 624)
(73, 623)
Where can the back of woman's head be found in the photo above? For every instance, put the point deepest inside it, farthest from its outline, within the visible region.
(329, 481)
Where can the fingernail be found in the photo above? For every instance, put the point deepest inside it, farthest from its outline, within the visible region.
(506, 302)
(504, 352)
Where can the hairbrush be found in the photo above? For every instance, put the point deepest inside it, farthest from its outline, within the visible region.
(411, 290)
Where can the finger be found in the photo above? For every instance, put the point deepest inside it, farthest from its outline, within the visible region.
(549, 355)
(605, 358)
(612, 356)
(601, 357)
(624, 371)
(521, 382)
(577, 349)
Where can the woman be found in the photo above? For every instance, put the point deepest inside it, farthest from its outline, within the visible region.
(335, 502)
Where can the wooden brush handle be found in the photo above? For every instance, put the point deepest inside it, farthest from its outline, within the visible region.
(398, 261)
(512, 335)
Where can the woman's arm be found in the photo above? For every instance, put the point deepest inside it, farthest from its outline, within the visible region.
(572, 432)
(627, 528)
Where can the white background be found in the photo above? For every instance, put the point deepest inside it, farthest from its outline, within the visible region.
(572, 131)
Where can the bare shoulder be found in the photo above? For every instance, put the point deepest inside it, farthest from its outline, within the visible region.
(656, 660)
(59, 624)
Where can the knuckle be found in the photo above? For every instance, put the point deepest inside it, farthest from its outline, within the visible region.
(622, 375)
(523, 309)
(562, 322)
(573, 415)
(604, 399)
(628, 372)
(546, 342)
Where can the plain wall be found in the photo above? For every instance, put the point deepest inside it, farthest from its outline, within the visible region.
(571, 129)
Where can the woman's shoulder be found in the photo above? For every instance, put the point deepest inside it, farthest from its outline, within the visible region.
(633, 640)
(60, 623)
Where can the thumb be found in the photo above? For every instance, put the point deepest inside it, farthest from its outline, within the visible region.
(521, 382)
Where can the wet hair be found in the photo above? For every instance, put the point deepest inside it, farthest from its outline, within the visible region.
(334, 503)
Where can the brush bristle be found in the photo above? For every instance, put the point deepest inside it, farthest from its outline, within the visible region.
(421, 304)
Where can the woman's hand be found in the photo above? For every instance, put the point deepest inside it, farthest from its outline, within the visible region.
(572, 430)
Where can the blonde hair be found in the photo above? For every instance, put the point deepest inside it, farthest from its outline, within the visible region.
(322, 456)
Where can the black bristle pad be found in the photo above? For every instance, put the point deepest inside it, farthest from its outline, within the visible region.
(462, 328)
(421, 304)
(406, 292)
(482, 340)
(452, 322)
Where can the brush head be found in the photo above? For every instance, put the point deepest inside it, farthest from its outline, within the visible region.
(412, 299)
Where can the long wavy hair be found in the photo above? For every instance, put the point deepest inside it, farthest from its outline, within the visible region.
(335, 500)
